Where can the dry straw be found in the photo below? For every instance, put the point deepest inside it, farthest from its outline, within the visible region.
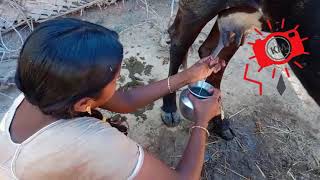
(16, 13)
(19, 12)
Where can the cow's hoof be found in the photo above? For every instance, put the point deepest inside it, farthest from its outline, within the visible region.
(165, 40)
(221, 128)
(170, 119)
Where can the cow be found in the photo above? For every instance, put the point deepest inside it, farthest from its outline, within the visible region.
(234, 19)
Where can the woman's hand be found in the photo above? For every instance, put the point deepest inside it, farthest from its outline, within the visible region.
(206, 109)
(203, 68)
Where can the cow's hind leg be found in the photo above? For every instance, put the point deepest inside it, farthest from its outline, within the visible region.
(228, 22)
(219, 126)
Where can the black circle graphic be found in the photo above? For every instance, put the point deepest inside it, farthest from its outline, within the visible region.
(278, 48)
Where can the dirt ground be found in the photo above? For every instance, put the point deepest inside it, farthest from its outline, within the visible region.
(278, 136)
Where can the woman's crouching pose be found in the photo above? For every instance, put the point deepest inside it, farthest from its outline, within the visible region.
(68, 68)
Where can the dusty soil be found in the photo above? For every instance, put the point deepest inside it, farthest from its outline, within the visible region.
(277, 136)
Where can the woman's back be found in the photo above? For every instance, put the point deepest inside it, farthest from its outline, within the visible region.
(81, 148)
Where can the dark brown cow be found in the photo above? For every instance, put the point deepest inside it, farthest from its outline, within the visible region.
(237, 16)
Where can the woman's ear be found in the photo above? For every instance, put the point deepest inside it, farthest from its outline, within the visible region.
(83, 105)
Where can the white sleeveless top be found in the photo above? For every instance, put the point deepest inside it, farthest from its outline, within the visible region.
(80, 148)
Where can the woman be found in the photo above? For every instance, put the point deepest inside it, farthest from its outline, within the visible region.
(66, 69)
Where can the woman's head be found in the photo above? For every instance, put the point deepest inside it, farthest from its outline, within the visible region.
(67, 65)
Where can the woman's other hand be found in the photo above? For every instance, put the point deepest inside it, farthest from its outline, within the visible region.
(206, 109)
(203, 68)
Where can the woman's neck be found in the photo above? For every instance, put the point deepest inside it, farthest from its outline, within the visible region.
(28, 120)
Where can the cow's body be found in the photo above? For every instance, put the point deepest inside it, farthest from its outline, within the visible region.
(238, 16)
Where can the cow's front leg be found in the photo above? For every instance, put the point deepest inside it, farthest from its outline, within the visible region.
(192, 16)
(183, 32)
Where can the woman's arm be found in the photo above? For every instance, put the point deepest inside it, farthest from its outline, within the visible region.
(126, 102)
(189, 167)
(191, 163)
(129, 101)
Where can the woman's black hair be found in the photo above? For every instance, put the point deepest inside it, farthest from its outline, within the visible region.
(65, 60)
